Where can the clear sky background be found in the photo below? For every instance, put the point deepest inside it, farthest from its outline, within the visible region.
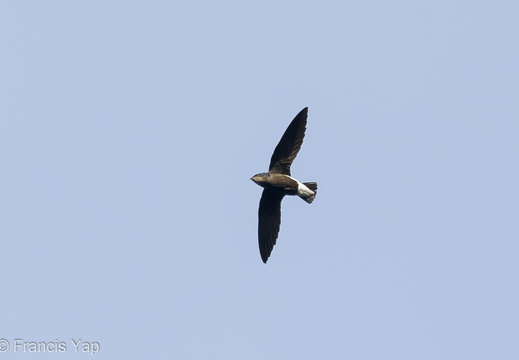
(128, 134)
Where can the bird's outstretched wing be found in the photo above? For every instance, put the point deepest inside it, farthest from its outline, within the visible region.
(289, 145)
(269, 215)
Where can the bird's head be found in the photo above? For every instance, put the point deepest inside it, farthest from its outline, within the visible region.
(260, 178)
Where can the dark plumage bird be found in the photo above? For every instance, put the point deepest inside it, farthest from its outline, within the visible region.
(277, 183)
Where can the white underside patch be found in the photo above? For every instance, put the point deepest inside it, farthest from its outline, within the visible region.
(302, 190)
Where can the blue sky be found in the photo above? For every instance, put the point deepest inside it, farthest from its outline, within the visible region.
(128, 136)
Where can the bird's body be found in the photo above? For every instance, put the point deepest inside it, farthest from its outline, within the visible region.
(277, 183)
(286, 185)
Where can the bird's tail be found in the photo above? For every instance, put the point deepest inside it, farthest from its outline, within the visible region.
(312, 186)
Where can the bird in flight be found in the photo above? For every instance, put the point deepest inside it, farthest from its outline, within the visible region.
(277, 183)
